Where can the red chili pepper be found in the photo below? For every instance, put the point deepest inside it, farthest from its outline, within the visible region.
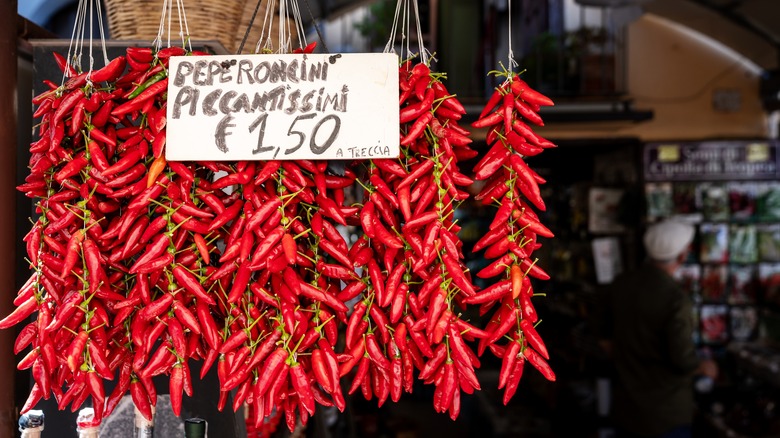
(267, 244)
(413, 111)
(416, 130)
(527, 308)
(508, 362)
(74, 356)
(522, 90)
(110, 72)
(419, 340)
(447, 99)
(141, 399)
(240, 283)
(433, 364)
(458, 275)
(321, 371)
(492, 161)
(289, 247)
(539, 363)
(143, 199)
(274, 366)
(176, 387)
(300, 382)
(533, 338)
(26, 336)
(421, 220)
(448, 387)
(191, 283)
(361, 375)
(375, 353)
(533, 269)
(29, 359)
(20, 313)
(73, 167)
(137, 102)
(324, 297)
(514, 379)
(155, 308)
(234, 341)
(97, 356)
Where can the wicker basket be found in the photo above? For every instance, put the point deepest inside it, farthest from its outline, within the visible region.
(206, 20)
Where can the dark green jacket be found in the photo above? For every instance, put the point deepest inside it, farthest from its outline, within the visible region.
(648, 318)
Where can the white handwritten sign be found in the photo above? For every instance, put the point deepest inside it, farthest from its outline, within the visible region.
(282, 107)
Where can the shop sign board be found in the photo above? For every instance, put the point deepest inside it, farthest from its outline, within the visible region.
(711, 160)
(283, 107)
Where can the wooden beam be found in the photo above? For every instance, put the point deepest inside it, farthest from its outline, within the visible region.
(8, 73)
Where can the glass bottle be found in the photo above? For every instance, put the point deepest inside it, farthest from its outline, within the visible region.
(194, 428)
(143, 427)
(31, 424)
(86, 425)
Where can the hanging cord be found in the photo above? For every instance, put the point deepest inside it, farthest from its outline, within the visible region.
(85, 8)
(421, 45)
(169, 17)
(80, 36)
(79, 48)
(95, 5)
(511, 61)
(157, 43)
(404, 10)
(316, 27)
(298, 24)
(280, 31)
(184, 29)
(288, 34)
(265, 38)
(284, 32)
(91, 58)
(73, 59)
(390, 46)
(405, 29)
(166, 15)
(249, 28)
(102, 32)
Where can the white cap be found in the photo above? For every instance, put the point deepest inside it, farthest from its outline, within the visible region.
(668, 239)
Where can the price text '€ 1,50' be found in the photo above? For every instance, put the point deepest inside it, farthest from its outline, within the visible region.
(280, 108)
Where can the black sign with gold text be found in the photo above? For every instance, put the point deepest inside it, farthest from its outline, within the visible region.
(711, 160)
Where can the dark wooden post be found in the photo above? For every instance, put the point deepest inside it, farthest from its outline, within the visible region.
(8, 146)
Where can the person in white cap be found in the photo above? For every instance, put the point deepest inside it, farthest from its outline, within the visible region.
(647, 328)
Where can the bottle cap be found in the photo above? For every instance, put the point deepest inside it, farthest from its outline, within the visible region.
(31, 419)
(86, 419)
(194, 427)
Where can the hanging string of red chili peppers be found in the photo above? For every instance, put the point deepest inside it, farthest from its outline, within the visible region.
(141, 266)
(512, 235)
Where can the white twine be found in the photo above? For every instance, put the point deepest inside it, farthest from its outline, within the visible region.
(166, 15)
(91, 58)
(184, 28)
(169, 14)
(85, 8)
(281, 31)
(74, 46)
(405, 29)
(265, 32)
(157, 43)
(102, 32)
(407, 11)
(390, 46)
(299, 24)
(421, 43)
(511, 61)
